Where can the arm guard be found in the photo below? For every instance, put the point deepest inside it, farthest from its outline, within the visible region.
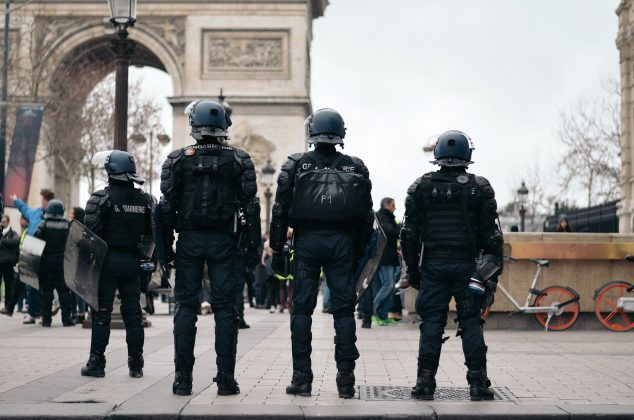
(283, 201)
(489, 236)
(364, 229)
(254, 228)
(410, 234)
(170, 189)
(95, 207)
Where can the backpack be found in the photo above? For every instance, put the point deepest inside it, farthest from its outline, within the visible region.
(328, 194)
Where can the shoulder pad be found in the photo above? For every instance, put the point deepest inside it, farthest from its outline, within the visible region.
(241, 153)
(362, 169)
(356, 160)
(425, 177)
(412, 188)
(296, 156)
(481, 181)
(175, 154)
(102, 196)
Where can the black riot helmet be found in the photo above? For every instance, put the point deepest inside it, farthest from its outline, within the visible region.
(325, 126)
(55, 207)
(453, 148)
(118, 164)
(207, 119)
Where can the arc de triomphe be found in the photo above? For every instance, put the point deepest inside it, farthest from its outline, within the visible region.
(257, 51)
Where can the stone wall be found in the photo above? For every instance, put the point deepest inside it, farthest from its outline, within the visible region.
(582, 261)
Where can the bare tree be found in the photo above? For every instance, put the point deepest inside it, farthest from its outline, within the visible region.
(591, 132)
(144, 121)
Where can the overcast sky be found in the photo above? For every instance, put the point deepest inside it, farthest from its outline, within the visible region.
(403, 71)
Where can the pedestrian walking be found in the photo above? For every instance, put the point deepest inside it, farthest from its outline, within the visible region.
(205, 187)
(388, 265)
(121, 215)
(450, 226)
(331, 228)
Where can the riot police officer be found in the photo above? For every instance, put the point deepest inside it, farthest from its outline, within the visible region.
(325, 196)
(450, 226)
(121, 215)
(205, 188)
(54, 230)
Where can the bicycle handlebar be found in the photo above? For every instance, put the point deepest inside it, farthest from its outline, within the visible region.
(510, 258)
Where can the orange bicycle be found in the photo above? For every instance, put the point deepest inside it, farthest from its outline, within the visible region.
(614, 304)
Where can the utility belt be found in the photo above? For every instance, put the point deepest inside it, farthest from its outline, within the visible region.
(334, 227)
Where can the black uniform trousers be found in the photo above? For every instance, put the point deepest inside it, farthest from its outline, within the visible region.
(335, 253)
(219, 251)
(120, 271)
(51, 277)
(8, 275)
(442, 280)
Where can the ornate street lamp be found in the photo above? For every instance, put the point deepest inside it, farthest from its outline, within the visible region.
(222, 100)
(122, 16)
(522, 198)
(267, 179)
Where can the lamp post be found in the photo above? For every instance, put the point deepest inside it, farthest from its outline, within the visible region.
(163, 139)
(267, 179)
(122, 16)
(522, 197)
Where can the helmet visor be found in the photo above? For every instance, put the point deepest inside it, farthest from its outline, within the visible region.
(101, 158)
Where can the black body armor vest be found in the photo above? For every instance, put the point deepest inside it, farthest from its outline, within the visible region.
(128, 217)
(211, 174)
(54, 233)
(449, 202)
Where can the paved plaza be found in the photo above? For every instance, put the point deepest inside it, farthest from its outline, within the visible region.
(574, 374)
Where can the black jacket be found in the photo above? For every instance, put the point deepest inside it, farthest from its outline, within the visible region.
(9, 248)
(387, 220)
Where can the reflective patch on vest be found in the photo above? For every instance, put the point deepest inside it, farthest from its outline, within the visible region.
(462, 179)
(190, 151)
(130, 208)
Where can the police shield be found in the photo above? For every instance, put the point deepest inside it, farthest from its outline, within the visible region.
(84, 255)
(29, 263)
(371, 259)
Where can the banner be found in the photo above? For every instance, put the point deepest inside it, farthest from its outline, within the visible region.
(26, 136)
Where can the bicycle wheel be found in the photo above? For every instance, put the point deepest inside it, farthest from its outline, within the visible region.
(605, 306)
(566, 316)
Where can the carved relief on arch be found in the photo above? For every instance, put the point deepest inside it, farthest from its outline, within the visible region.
(170, 29)
(259, 147)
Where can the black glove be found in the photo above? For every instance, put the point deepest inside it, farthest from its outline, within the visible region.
(277, 263)
(414, 277)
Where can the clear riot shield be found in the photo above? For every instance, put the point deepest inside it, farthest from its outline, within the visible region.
(29, 262)
(84, 255)
(162, 251)
(372, 259)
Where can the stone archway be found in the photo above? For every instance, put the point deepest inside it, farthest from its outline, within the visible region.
(257, 52)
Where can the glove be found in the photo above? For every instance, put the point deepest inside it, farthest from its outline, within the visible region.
(277, 263)
(414, 277)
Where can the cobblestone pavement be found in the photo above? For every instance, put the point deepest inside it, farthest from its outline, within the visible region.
(561, 375)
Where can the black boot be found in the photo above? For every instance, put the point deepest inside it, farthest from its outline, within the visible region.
(135, 365)
(345, 383)
(182, 383)
(366, 323)
(425, 385)
(301, 384)
(95, 366)
(227, 384)
(479, 385)
(242, 324)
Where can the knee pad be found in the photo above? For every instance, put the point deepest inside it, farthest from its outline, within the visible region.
(297, 310)
(343, 312)
(301, 337)
(103, 316)
(345, 339)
